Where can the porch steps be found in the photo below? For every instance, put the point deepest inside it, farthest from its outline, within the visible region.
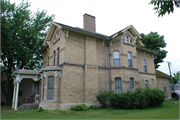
(28, 105)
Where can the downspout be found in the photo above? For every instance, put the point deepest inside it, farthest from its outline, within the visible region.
(109, 65)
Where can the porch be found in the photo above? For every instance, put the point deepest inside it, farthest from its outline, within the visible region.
(29, 75)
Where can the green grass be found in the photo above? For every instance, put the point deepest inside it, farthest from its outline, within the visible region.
(166, 111)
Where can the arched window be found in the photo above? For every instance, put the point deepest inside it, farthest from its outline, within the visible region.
(118, 85)
(116, 58)
(129, 60)
(131, 84)
(146, 83)
(50, 87)
(144, 64)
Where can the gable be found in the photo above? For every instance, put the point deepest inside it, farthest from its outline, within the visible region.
(131, 32)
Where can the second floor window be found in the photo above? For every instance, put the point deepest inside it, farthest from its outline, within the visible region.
(144, 64)
(129, 60)
(116, 58)
(54, 58)
(48, 61)
(58, 56)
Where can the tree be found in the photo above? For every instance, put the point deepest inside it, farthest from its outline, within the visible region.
(176, 77)
(163, 7)
(155, 42)
(22, 36)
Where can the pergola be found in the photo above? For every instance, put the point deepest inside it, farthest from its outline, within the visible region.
(18, 76)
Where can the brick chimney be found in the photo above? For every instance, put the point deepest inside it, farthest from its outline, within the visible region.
(89, 23)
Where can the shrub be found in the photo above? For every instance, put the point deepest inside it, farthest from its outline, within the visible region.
(81, 107)
(92, 107)
(140, 98)
(39, 109)
(103, 98)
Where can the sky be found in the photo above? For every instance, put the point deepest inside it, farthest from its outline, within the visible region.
(114, 15)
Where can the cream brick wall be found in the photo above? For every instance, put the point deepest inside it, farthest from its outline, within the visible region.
(164, 82)
(85, 72)
(149, 61)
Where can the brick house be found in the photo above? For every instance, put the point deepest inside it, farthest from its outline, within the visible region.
(78, 63)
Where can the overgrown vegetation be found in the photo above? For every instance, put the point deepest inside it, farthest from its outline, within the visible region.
(81, 107)
(139, 99)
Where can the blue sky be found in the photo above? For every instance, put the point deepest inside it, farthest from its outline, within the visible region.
(114, 15)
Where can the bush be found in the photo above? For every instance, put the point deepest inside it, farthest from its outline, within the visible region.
(92, 107)
(81, 107)
(139, 99)
(39, 109)
(103, 98)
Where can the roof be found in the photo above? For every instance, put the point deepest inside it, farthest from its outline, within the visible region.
(92, 34)
(161, 74)
(148, 50)
(82, 31)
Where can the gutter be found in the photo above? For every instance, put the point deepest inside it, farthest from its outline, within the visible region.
(109, 65)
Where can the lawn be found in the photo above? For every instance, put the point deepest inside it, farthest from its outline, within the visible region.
(166, 111)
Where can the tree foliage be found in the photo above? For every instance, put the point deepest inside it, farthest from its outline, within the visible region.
(176, 77)
(22, 35)
(162, 7)
(155, 42)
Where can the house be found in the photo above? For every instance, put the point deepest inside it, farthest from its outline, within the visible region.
(163, 83)
(79, 63)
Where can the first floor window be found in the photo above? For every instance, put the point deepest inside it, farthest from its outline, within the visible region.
(165, 89)
(146, 83)
(50, 87)
(131, 84)
(118, 85)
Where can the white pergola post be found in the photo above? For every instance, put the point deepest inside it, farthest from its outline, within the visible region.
(16, 98)
(14, 93)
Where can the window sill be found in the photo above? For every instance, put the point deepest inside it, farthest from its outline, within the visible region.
(129, 44)
(56, 41)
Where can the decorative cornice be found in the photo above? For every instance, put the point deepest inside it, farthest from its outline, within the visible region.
(147, 73)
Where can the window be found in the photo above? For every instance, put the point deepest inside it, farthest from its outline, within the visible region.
(50, 87)
(127, 39)
(164, 81)
(123, 39)
(165, 89)
(146, 83)
(54, 58)
(131, 84)
(57, 35)
(129, 60)
(116, 58)
(48, 61)
(131, 42)
(58, 56)
(144, 64)
(118, 85)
